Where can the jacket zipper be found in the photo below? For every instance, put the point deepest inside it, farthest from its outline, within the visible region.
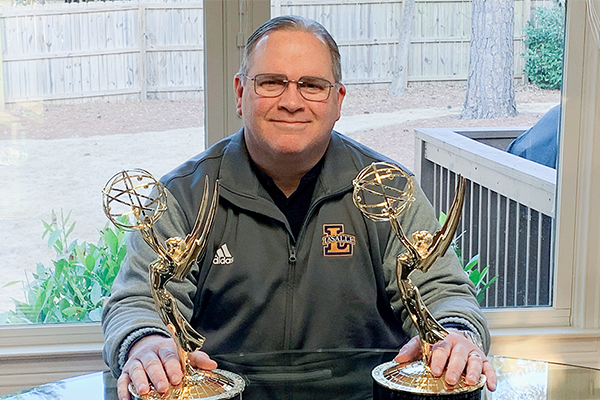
(289, 301)
(309, 214)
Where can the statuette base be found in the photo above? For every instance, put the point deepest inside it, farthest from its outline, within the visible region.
(413, 380)
(209, 385)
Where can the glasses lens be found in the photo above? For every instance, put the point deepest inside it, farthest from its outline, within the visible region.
(310, 87)
(313, 88)
(269, 85)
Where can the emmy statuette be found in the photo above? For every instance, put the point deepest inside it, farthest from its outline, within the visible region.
(134, 200)
(382, 191)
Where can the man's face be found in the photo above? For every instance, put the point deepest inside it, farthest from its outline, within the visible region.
(288, 124)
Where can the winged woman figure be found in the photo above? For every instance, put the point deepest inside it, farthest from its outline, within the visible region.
(421, 252)
(175, 261)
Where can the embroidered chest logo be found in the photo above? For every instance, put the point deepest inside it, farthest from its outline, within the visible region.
(223, 256)
(336, 242)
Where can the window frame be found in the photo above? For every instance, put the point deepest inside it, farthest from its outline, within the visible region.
(568, 191)
(576, 310)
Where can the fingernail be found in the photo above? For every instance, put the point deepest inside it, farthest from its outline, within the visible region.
(471, 379)
(451, 379)
(161, 387)
(436, 371)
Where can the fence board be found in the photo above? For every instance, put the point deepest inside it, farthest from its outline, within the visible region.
(56, 51)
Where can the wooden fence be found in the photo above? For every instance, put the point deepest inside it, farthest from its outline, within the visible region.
(102, 50)
(144, 49)
(367, 32)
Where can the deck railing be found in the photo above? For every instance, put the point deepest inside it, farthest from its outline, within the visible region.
(508, 217)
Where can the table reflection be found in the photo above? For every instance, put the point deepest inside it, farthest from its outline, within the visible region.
(520, 379)
(343, 374)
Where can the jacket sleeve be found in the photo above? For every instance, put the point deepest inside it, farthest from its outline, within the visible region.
(445, 288)
(130, 313)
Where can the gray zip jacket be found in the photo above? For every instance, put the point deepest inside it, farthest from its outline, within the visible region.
(258, 289)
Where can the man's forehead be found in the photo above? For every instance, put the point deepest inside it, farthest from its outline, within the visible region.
(295, 49)
(287, 34)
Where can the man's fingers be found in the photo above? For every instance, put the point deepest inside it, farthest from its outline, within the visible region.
(201, 360)
(156, 372)
(172, 364)
(410, 351)
(457, 362)
(490, 374)
(138, 377)
(474, 367)
(440, 355)
(456, 355)
(123, 386)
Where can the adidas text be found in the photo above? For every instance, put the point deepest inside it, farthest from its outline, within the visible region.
(223, 256)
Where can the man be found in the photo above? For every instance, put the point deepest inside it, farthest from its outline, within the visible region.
(540, 142)
(269, 280)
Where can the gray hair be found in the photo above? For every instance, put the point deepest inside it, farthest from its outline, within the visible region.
(293, 23)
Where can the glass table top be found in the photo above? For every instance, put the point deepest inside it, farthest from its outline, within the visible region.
(342, 374)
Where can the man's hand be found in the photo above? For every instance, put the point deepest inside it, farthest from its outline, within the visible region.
(155, 357)
(456, 354)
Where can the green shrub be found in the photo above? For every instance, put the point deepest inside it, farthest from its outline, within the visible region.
(545, 40)
(74, 288)
(475, 275)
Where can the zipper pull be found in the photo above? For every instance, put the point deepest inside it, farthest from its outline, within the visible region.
(292, 258)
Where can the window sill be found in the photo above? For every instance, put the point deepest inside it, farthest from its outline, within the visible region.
(562, 345)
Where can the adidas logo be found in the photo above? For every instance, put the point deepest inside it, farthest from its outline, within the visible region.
(223, 256)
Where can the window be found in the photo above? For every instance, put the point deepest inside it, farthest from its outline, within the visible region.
(574, 274)
(577, 231)
(89, 89)
(511, 235)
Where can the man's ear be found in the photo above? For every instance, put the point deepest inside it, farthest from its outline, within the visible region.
(340, 93)
(238, 87)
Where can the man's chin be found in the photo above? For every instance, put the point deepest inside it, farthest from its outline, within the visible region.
(291, 151)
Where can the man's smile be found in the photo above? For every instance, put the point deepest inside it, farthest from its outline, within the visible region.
(290, 124)
(289, 121)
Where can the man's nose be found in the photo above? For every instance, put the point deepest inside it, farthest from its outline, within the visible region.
(291, 99)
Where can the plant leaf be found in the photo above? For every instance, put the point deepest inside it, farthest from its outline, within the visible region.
(70, 311)
(90, 262)
(53, 238)
(112, 241)
(96, 315)
(442, 218)
(96, 294)
(472, 262)
(70, 230)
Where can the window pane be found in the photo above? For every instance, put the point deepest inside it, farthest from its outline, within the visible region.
(508, 219)
(89, 90)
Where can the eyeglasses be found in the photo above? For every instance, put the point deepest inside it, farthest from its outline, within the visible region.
(310, 87)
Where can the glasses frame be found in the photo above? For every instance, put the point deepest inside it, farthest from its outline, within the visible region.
(287, 83)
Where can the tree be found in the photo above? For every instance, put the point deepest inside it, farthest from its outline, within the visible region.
(490, 84)
(400, 74)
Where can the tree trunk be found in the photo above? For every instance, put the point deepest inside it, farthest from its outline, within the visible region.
(400, 74)
(490, 85)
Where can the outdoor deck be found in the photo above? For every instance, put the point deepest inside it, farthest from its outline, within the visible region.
(508, 217)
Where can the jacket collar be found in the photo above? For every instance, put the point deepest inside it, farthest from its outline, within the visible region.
(238, 181)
